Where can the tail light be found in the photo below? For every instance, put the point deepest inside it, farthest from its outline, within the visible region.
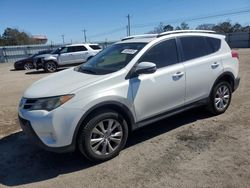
(235, 54)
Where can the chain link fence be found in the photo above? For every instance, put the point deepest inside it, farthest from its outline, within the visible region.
(14, 53)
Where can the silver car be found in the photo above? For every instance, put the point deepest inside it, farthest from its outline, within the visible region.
(130, 84)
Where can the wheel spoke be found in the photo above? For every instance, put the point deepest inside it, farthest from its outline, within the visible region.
(95, 140)
(116, 140)
(102, 127)
(96, 131)
(110, 123)
(117, 134)
(110, 147)
(104, 148)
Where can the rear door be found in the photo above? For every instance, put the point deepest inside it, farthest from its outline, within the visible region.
(81, 54)
(202, 64)
(156, 93)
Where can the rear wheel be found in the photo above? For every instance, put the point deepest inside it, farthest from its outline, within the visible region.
(50, 66)
(104, 136)
(220, 98)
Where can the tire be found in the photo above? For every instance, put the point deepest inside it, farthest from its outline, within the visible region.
(50, 66)
(28, 66)
(96, 129)
(220, 98)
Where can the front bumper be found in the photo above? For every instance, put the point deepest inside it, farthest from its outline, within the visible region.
(54, 130)
(29, 131)
(236, 83)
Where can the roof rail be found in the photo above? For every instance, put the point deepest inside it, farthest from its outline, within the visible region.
(140, 36)
(184, 31)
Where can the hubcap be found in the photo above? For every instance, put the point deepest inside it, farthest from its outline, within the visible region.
(222, 97)
(106, 137)
(51, 67)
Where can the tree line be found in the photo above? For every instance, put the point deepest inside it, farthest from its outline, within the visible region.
(12, 36)
(222, 27)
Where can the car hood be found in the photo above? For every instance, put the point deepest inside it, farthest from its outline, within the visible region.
(24, 60)
(46, 55)
(60, 83)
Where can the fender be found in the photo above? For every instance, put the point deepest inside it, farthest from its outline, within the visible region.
(122, 107)
(225, 74)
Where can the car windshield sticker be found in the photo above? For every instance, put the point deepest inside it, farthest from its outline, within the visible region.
(129, 51)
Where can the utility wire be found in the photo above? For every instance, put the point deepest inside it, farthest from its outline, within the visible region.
(172, 21)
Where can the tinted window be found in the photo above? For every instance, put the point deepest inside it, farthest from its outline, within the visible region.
(163, 54)
(71, 49)
(214, 43)
(194, 47)
(80, 48)
(95, 47)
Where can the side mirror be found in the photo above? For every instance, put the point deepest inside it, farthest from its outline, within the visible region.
(145, 68)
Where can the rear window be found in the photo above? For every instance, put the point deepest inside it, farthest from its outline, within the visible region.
(195, 46)
(95, 47)
(215, 43)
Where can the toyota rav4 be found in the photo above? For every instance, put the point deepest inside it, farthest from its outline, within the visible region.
(133, 83)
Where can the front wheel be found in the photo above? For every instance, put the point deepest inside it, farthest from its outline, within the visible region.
(220, 98)
(50, 66)
(104, 136)
(28, 66)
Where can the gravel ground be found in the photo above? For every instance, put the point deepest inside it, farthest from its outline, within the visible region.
(192, 149)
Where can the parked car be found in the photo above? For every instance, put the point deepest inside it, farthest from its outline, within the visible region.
(133, 83)
(69, 55)
(27, 63)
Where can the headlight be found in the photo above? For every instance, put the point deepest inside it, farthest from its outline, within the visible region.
(50, 103)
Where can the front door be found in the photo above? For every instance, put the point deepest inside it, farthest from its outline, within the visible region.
(164, 90)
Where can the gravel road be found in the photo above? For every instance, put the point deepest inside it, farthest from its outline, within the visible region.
(192, 149)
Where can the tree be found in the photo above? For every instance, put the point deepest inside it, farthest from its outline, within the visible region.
(168, 28)
(183, 26)
(223, 27)
(158, 29)
(13, 36)
(205, 26)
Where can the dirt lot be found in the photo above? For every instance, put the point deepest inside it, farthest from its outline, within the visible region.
(192, 149)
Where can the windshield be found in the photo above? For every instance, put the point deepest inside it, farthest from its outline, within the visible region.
(56, 51)
(112, 58)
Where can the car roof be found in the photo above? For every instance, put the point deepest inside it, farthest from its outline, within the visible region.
(150, 37)
(81, 44)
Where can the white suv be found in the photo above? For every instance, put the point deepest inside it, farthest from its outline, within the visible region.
(66, 56)
(130, 84)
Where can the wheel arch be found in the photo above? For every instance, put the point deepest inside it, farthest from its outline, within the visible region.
(226, 76)
(113, 105)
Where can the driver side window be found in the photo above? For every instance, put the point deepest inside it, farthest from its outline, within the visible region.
(64, 50)
(162, 54)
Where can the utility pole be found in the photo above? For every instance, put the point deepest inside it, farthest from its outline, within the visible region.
(84, 33)
(128, 16)
(63, 38)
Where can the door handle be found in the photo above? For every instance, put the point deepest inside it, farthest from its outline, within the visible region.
(215, 65)
(178, 75)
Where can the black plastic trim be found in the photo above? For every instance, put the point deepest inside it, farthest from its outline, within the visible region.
(172, 112)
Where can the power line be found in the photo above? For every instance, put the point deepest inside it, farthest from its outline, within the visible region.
(62, 37)
(172, 21)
